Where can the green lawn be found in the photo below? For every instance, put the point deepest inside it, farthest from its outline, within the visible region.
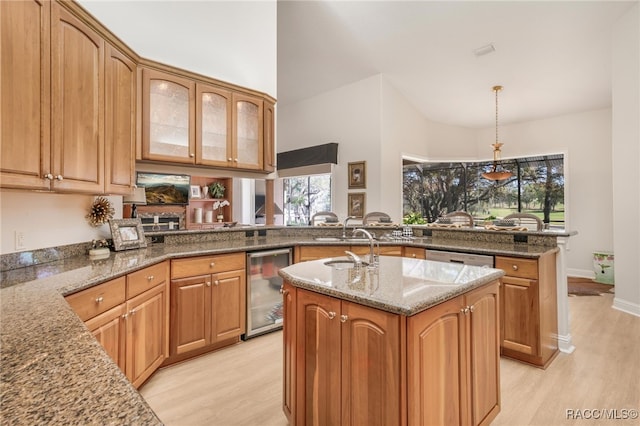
(556, 216)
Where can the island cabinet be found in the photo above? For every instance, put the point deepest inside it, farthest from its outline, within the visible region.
(208, 303)
(349, 364)
(305, 253)
(414, 252)
(529, 326)
(453, 361)
(129, 317)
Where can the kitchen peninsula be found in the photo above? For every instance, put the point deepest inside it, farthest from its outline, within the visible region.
(408, 341)
(54, 370)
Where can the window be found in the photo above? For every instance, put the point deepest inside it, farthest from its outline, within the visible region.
(537, 186)
(305, 196)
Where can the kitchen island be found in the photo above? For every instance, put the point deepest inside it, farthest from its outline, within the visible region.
(410, 342)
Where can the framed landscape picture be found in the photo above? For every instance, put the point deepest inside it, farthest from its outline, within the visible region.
(355, 204)
(357, 175)
(165, 189)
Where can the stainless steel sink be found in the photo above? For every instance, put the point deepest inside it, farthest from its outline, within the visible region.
(343, 263)
(328, 239)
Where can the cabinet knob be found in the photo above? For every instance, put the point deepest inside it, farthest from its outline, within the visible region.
(125, 315)
(216, 282)
(472, 308)
(48, 176)
(413, 255)
(343, 318)
(236, 160)
(212, 264)
(99, 299)
(59, 177)
(208, 283)
(281, 290)
(150, 278)
(192, 155)
(332, 315)
(515, 267)
(133, 312)
(465, 310)
(229, 159)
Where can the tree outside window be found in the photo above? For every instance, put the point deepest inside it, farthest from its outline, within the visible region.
(305, 196)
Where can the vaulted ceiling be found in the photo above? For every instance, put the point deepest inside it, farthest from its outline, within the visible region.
(552, 57)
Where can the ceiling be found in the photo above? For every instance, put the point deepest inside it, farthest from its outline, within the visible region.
(552, 57)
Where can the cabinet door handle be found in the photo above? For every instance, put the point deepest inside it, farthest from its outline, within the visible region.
(150, 278)
(99, 299)
(216, 282)
(59, 177)
(132, 312)
(208, 283)
(465, 310)
(515, 267)
(192, 155)
(48, 176)
(343, 318)
(332, 315)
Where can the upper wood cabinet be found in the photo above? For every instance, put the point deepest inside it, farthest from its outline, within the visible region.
(269, 136)
(120, 121)
(55, 113)
(168, 118)
(188, 121)
(77, 100)
(25, 88)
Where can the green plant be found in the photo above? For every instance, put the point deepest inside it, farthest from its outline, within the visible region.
(413, 219)
(216, 189)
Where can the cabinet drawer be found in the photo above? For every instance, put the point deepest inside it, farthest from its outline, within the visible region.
(414, 252)
(182, 268)
(517, 267)
(96, 300)
(140, 281)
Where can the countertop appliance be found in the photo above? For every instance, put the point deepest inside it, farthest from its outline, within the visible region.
(455, 257)
(264, 300)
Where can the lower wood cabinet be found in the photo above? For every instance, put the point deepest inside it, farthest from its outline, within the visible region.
(129, 317)
(305, 253)
(344, 363)
(414, 252)
(208, 302)
(529, 309)
(453, 361)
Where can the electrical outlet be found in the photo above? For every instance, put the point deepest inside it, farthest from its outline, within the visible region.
(20, 240)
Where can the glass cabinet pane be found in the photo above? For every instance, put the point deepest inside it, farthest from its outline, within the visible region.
(169, 118)
(247, 131)
(214, 127)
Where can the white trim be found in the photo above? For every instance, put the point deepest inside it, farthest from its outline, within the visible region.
(564, 331)
(581, 273)
(628, 307)
(564, 344)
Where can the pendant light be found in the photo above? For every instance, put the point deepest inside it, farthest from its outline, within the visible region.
(497, 171)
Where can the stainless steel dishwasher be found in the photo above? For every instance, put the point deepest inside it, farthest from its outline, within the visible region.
(455, 257)
(264, 301)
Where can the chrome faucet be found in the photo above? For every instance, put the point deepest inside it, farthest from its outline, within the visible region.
(344, 226)
(355, 258)
(373, 260)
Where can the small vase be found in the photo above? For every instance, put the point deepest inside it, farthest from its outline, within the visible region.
(220, 217)
(205, 191)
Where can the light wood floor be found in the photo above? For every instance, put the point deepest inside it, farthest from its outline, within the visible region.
(242, 385)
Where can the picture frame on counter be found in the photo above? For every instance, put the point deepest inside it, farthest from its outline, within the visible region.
(127, 234)
(356, 204)
(357, 175)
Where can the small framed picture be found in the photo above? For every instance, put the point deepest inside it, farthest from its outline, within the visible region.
(127, 234)
(355, 204)
(195, 192)
(357, 175)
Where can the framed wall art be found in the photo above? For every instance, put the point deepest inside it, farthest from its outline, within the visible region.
(127, 234)
(357, 175)
(355, 204)
(195, 192)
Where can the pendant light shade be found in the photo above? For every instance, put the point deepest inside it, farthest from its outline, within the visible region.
(497, 172)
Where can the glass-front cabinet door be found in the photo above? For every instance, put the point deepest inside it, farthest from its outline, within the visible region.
(168, 132)
(247, 126)
(213, 126)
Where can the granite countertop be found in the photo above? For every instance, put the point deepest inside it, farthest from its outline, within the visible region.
(54, 371)
(398, 285)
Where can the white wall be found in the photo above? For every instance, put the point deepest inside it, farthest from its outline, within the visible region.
(626, 160)
(585, 139)
(349, 116)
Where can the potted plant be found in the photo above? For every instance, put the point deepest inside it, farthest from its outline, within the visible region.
(216, 189)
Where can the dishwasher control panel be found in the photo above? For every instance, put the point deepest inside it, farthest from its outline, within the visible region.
(455, 257)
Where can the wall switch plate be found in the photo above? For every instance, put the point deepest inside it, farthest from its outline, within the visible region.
(20, 240)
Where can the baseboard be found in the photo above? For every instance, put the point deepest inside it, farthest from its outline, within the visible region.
(581, 273)
(628, 307)
(565, 345)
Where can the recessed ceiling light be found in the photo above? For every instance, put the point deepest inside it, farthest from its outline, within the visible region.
(484, 50)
